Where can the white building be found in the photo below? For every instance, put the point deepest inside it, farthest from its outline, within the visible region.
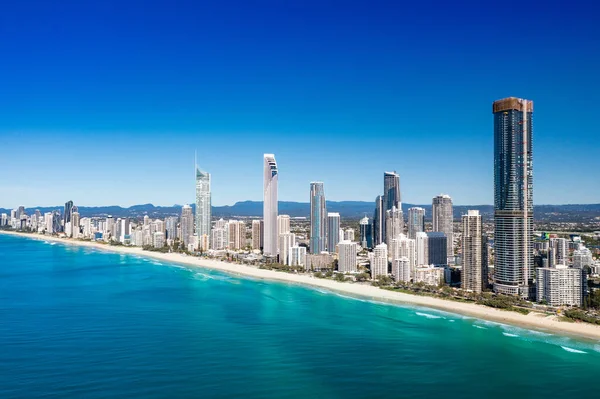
(236, 231)
(404, 247)
(421, 249)
(270, 205)
(219, 238)
(297, 256)
(560, 285)
(394, 224)
(559, 251)
(158, 239)
(379, 261)
(582, 257)
(429, 275)
(283, 224)
(333, 231)
(286, 241)
(401, 269)
(187, 224)
(472, 276)
(349, 235)
(416, 221)
(442, 216)
(203, 203)
(347, 256)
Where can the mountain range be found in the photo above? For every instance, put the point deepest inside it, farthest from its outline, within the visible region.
(347, 209)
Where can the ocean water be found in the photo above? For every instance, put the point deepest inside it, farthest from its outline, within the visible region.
(85, 323)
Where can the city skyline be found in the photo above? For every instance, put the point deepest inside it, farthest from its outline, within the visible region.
(352, 91)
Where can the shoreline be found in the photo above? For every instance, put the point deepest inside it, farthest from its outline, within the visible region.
(533, 320)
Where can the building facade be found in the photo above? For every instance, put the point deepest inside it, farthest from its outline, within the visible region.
(203, 203)
(559, 286)
(513, 197)
(416, 221)
(318, 218)
(187, 224)
(333, 231)
(442, 217)
(472, 277)
(271, 175)
(366, 237)
(379, 261)
(347, 256)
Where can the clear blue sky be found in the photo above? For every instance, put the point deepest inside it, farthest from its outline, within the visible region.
(105, 102)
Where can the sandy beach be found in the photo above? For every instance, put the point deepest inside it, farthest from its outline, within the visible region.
(536, 321)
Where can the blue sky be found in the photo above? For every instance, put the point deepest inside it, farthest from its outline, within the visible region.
(105, 102)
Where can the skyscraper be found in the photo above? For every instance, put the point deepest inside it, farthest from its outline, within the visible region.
(378, 221)
(394, 224)
(441, 212)
(187, 224)
(513, 199)
(318, 218)
(333, 231)
(472, 275)
(366, 236)
(391, 190)
(203, 203)
(257, 234)
(416, 221)
(283, 224)
(391, 199)
(436, 248)
(347, 256)
(68, 212)
(379, 261)
(270, 205)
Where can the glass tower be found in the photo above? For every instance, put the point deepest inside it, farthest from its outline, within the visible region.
(513, 199)
(318, 218)
(203, 203)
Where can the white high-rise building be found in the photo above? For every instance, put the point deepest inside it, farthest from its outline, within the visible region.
(349, 235)
(297, 256)
(286, 241)
(582, 257)
(404, 247)
(48, 217)
(421, 249)
(171, 227)
(158, 239)
(123, 229)
(441, 212)
(333, 231)
(560, 251)
(203, 203)
(219, 238)
(257, 234)
(401, 269)
(187, 224)
(283, 224)
(472, 276)
(560, 285)
(416, 221)
(379, 261)
(347, 256)
(271, 175)
(236, 231)
(394, 224)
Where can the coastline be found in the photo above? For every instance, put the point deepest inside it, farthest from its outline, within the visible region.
(533, 320)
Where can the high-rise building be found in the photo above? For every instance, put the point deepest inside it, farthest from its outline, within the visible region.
(158, 239)
(286, 241)
(219, 238)
(378, 221)
(560, 251)
(391, 199)
(333, 231)
(203, 203)
(391, 190)
(171, 227)
(283, 224)
(271, 175)
(297, 256)
(472, 275)
(379, 261)
(349, 235)
(68, 212)
(560, 285)
(436, 249)
(441, 212)
(401, 269)
(124, 230)
(236, 231)
(347, 256)
(582, 257)
(404, 247)
(422, 252)
(56, 222)
(394, 224)
(318, 218)
(187, 224)
(257, 234)
(513, 197)
(75, 221)
(416, 221)
(366, 237)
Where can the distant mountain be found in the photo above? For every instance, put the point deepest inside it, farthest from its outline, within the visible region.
(347, 209)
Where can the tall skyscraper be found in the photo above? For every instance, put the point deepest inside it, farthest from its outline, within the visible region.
(333, 231)
(378, 221)
(271, 175)
(436, 249)
(68, 212)
(318, 218)
(394, 224)
(366, 236)
(472, 275)
(441, 212)
(187, 224)
(416, 221)
(391, 190)
(379, 261)
(513, 197)
(391, 199)
(286, 241)
(283, 224)
(203, 203)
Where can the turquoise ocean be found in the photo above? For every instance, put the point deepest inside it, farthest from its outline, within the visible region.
(85, 323)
